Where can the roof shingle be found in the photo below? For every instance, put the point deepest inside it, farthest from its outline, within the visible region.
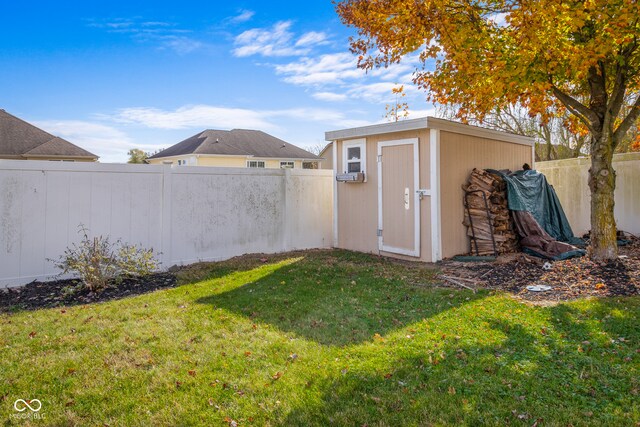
(21, 139)
(236, 142)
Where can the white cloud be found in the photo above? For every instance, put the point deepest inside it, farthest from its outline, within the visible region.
(180, 44)
(193, 116)
(277, 40)
(327, 69)
(312, 38)
(415, 114)
(329, 96)
(166, 35)
(207, 116)
(340, 69)
(336, 77)
(274, 41)
(244, 15)
(109, 143)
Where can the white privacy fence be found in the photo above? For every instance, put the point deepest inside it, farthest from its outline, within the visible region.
(570, 180)
(187, 214)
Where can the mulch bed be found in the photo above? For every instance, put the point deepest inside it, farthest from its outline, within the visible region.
(570, 279)
(37, 295)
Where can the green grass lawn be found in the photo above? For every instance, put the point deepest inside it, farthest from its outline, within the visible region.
(323, 337)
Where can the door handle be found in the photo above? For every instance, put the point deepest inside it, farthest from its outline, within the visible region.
(406, 198)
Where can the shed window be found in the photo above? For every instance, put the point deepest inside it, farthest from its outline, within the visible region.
(255, 163)
(354, 156)
(286, 165)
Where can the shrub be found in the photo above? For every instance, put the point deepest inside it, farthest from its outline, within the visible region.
(96, 261)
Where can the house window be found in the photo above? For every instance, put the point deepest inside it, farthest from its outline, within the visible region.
(354, 156)
(255, 163)
(181, 162)
(286, 165)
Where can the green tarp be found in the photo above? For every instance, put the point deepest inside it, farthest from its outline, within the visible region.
(540, 221)
(528, 190)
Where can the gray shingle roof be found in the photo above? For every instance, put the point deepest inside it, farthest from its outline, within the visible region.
(242, 142)
(19, 139)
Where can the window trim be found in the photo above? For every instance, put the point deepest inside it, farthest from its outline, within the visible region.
(362, 143)
(284, 164)
(257, 162)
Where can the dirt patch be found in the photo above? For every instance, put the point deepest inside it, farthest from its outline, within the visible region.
(568, 280)
(57, 293)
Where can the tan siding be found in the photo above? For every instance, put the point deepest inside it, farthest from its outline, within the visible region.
(358, 203)
(229, 162)
(275, 164)
(327, 155)
(190, 159)
(459, 154)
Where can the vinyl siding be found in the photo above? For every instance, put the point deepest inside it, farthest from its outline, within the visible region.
(229, 162)
(358, 203)
(459, 154)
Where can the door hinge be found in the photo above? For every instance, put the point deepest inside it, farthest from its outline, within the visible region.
(379, 158)
(379, 232)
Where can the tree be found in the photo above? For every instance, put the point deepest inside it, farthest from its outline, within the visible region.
(545, 55)
(399, 110)
(556, 137)
(136, 155)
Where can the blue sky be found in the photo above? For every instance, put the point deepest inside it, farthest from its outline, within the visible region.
(115, 75)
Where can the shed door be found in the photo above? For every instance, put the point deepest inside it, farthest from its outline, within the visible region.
(398, 201)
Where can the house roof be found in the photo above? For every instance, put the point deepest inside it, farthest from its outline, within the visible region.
(236, 142)
(427, 123)
(19, 139)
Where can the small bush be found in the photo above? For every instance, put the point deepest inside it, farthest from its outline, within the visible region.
(97, 261)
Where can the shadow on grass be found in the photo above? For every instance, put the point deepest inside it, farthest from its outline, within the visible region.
(566, 374)
(340, 298)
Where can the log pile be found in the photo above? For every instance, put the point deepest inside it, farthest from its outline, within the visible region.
(498, 220)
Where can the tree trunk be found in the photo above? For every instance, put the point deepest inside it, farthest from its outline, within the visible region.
(602, 182)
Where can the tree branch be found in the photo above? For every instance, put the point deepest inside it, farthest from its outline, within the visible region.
(580, 110)
(628, 121)
(617, 94)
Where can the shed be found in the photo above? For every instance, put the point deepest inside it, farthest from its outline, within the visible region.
(398, 185)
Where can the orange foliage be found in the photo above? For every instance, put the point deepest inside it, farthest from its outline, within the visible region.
(483, 54)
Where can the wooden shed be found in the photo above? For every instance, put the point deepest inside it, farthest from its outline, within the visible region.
(398, 185)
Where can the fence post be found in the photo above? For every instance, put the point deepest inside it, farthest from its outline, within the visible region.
(167, 174)
(287, 208)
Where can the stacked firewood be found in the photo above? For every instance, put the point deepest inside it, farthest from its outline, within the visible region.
(492, 218)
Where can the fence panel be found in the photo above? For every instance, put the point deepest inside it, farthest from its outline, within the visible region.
(188, 214)
(570, 180)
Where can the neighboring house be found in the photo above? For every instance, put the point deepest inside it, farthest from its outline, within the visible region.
(398, 185)
(20, 140)
(327, 157)
(240, 148)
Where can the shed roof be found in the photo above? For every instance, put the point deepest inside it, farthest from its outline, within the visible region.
(236, 142)
(19, 139)
(427, 123)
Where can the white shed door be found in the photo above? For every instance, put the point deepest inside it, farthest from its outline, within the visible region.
(398, 201)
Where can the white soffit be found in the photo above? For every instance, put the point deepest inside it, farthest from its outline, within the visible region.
(427, 123)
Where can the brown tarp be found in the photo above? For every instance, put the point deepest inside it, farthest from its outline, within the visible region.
(534, 238)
